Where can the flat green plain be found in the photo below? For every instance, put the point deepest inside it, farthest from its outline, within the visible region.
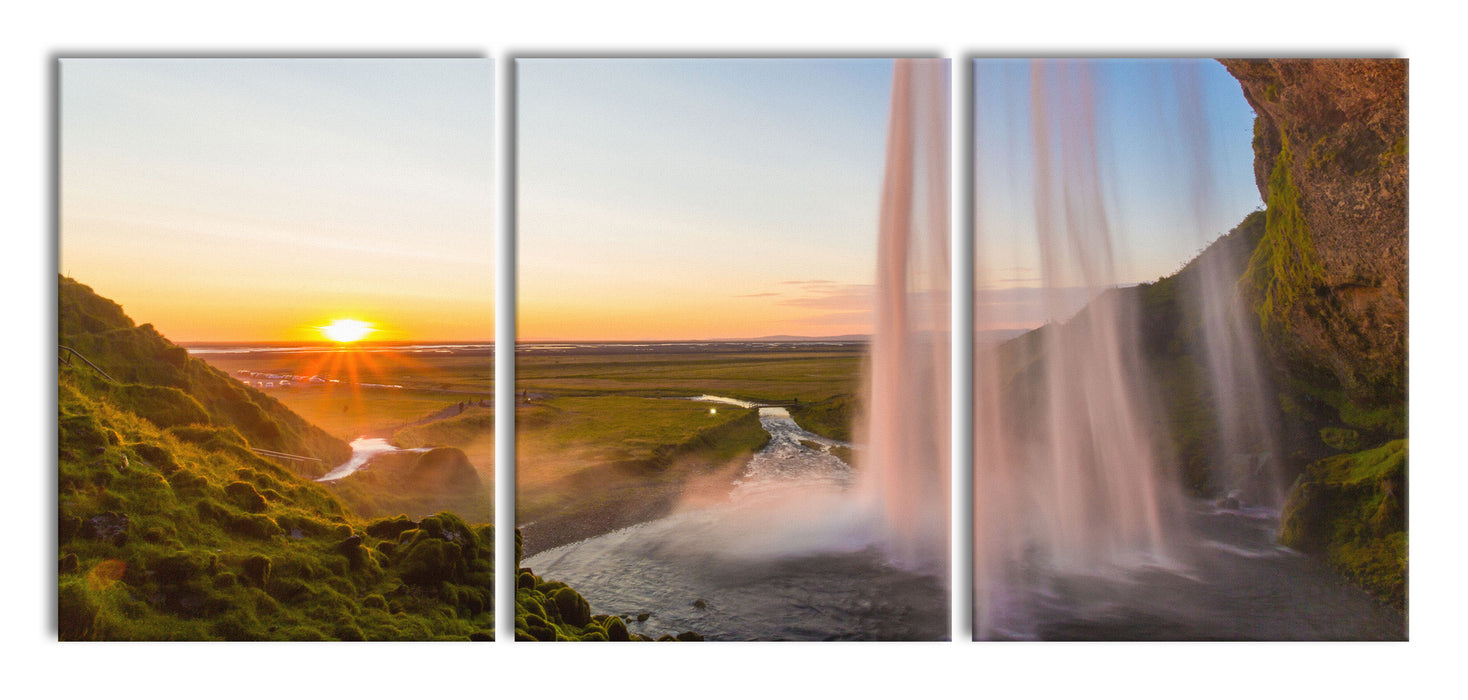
(763, 376)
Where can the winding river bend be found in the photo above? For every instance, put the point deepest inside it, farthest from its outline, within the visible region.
(786, 555)
(363, 450)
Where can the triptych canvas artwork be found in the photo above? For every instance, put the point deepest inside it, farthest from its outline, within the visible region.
(800, 349)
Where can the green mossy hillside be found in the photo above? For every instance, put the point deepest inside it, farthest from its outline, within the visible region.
(456, 431)
(716, 444)
(162, 383)
(171, 527)
(551, 611)
(183, 534)
(1352, 508)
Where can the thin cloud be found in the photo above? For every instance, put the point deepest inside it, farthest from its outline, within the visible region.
(831, 296)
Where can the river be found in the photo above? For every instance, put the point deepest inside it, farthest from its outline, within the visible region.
(363, 450)
(1229, 581)
(787, 555)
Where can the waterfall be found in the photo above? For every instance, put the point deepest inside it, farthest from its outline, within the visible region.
(1243, 464)
(1067, 473)
(905, 466)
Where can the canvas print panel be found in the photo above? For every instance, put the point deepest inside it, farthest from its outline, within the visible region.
(732, 355)
(1189, 349)
(276, 360)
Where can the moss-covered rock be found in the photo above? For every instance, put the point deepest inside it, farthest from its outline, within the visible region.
(256, 569)
(443, 469)
(1351, 509)
(617, 630)
(573, 608)
(552, 611)
(245, 497)
(1341, 439)
(390, 528)
(76, 610)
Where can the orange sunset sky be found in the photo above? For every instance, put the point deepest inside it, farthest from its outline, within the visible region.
(259, 199)
(676, 199)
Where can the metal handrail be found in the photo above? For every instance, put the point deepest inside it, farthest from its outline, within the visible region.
(283, 455)
(89, 363)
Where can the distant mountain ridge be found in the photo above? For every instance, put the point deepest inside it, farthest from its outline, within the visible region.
(849, 338)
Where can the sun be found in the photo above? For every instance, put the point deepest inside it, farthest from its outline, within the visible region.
(346, 330)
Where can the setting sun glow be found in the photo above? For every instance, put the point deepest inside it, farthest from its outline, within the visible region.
(346, 330)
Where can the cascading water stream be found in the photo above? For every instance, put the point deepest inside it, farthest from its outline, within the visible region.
(1245, 468)
(1066, 474)
(904, 469)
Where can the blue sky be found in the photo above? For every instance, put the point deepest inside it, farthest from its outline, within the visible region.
(1146, 113)
(696, 198)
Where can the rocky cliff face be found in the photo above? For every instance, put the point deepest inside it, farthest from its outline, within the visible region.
(1331, 160)
(1329, 282)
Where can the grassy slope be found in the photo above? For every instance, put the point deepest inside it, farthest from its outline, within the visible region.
(147, 366)
(613, 429)
(832, 417)
(171, 528)
(471, 431)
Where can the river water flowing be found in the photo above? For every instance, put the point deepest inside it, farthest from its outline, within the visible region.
(788, 555)
(1229, 580)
